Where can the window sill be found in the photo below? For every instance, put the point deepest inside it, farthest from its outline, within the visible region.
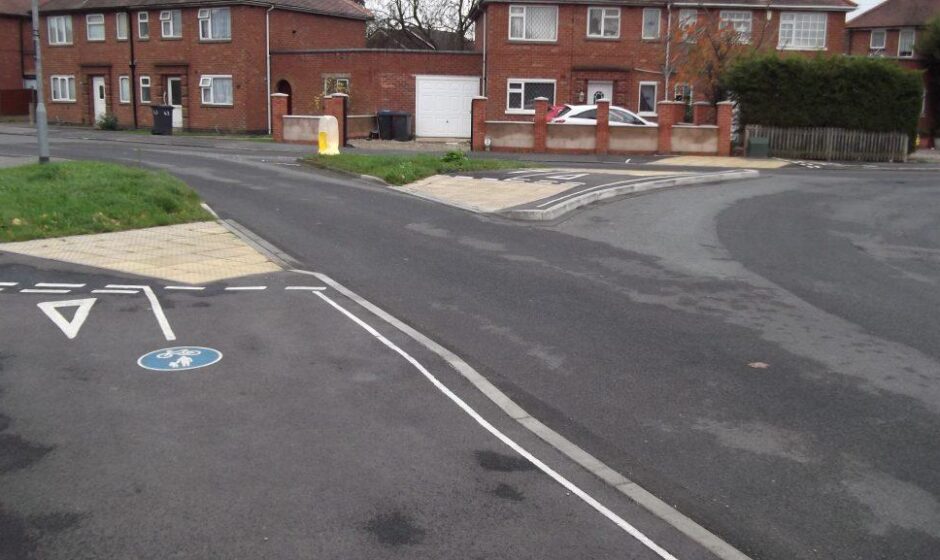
(533, 41)
(64, 101)
(57, 45)
(215, 40)
(95, 40)
(143, 39)
(171, 38)
(647, 114)
(652, 40)
(124, 102)
(609, 39)
(519, 112)
(805, 49)
(217, 105)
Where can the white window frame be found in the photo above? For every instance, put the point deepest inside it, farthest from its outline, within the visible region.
(525, 8)
(124, 87)
(205, 84)
(726, 17)
(149, 90)
(99, 21)
(142, 18)
(884, 40)
(118, 18)
(639, 99)
(788, 43)
(522, 110)
(688, 19)
(659, 24)
(69, 88)
(205, 15)
(337, 79)
(614, 12)
(913, 41)
(166, 17)
(59, 34)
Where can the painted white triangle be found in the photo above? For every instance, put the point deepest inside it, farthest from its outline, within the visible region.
(70, 328)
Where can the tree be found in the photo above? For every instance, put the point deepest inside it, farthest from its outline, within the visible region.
(928, 47)
(441, 24)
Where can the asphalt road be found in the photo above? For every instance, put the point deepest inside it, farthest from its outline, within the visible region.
(760, 354)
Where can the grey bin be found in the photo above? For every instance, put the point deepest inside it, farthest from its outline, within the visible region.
(384, 119)
(162, 119)
(401, 126)
(758, 147)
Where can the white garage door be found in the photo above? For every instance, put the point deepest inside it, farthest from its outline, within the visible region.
(442, 105)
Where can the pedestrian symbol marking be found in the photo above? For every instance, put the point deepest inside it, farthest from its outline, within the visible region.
(69, 327)
(179, 358)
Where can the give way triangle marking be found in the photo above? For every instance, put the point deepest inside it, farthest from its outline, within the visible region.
(70, 328)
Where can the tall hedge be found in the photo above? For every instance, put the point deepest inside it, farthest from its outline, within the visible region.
(853, 92)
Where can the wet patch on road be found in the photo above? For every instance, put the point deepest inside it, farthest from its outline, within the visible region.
(493, 461)
(395, 528)
(508, 492)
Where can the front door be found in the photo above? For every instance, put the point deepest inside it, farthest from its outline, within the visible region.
(600, 90)
(174, 88)
(98, 97)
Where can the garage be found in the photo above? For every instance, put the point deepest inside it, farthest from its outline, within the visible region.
(442, 105)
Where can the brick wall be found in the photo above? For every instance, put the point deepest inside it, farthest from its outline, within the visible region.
(11, 73)
(377, 79)
(291, 30)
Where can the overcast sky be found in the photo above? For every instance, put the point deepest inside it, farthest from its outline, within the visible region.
(864, 5)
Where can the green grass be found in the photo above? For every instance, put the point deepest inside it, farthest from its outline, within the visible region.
(73, 198)
(400, 170)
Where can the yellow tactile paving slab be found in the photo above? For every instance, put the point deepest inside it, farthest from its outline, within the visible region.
(483, 195)
(714, 161)
(194, 253)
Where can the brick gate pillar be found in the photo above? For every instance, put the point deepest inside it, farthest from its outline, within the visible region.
(541, 126)
(602, 130)
(337, 105)
(278, 110)
(478, 124)
(725, 117)
(670, 113)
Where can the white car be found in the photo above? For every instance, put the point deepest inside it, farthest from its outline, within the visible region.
(587, 114)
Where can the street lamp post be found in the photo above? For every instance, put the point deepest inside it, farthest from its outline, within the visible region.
(42, 129)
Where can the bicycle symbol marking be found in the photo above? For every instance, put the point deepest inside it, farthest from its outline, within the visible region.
(186, 357)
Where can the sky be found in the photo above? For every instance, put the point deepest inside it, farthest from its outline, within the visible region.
(864, 5)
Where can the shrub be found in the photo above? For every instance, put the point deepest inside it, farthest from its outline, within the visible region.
(852, 92)
(108, 121)
(454, 156)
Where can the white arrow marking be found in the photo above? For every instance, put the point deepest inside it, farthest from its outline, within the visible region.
(70, 328)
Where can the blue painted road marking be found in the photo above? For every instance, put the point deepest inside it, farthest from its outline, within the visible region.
(179, 358)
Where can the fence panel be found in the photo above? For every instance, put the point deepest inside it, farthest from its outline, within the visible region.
(832, 143)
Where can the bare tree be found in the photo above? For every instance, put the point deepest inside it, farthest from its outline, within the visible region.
(440, 24)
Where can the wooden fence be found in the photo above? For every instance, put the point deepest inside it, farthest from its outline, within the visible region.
(831, 143)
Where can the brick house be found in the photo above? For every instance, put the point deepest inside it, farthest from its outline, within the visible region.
(208, 59)
(890, 30)
(573, 51)
(16, 51)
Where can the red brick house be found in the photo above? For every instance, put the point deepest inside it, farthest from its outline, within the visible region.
(573, 51)
(208, 59)
(890, 30)
(15, 44)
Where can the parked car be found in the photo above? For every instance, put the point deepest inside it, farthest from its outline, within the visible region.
(553, 112)
(587, 114)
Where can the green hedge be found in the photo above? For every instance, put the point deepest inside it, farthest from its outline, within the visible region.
(850, 92)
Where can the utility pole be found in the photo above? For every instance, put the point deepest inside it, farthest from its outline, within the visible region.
(42, 129)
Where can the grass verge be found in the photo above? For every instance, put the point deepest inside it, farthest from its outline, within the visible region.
(400, 170)
(74, 198)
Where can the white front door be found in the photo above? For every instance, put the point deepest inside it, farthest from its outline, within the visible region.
(600, 90)
(174, 88)
(442, 105)
(98, 95)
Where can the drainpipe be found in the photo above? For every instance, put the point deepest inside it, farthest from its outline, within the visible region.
(667, 67)
(486, 31)
(267, 61)
(133, 65)
(22, 52)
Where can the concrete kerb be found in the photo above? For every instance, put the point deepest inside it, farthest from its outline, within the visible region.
(556, 211)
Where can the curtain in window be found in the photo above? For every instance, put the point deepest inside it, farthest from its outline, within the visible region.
(221, 24)
(540, 23)
(222, 91)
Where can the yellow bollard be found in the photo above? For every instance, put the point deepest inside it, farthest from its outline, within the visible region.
(323, 141)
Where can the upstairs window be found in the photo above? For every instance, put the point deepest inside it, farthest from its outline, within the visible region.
(603, 23)
(879, 39)
(521, 94)
(120, 25)
(802, 31)
(215, 24)
(651, 19)
(739, 21)
(216, 90)
(94, 27)
(60, 30)
(688, 19)
(171, 24)
(533, 23)
(143, 25)
(906, 43)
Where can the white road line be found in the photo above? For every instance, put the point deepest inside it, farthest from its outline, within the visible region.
(245, 288)
(188, 288)
(571, 487)
(154, 306)
(313, 288)
(43, 291)
(58, 285)
(8, 284)
(115, 292)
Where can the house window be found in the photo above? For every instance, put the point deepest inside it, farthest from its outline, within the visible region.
(145, 89)
(687, 22)
(651, 18)
(171, 24)
(120, 25)
(143, 25)
(603, 23)
(124, 89)
(683, 93)
(802, 31)
(215, 24)
(533, 23)
(94, 27)
(216, 90)
(739, 22)
(879, 38)
(60, 30)
(63, 88)
(648, 98)
(333, 85)
(521, 94)
(906, 43)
